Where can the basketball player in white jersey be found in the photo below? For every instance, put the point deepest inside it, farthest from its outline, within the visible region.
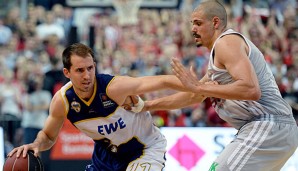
(92, 102)
(246, 95)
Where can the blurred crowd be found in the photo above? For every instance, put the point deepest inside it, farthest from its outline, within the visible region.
(31, 48)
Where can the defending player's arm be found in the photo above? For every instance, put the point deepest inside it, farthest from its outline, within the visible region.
(177, 100)
(46, 138)
(236, 61)
(174, 101)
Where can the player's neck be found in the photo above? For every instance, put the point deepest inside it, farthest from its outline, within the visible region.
(85, 95)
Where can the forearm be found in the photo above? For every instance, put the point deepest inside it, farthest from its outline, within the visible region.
(175, 101)
(45, 143)
(156, 83)
(141, 85)
(234, 91)
(174, 83)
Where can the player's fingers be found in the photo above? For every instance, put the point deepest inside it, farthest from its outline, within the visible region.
(192, 71)
(12, 152)
(176, 65)
(127, 106)
(177, 71)
(180, 66)
(134, 99)
(180, 71)
(179, 76)
(36, 152)
(19, 151)
(25, 150)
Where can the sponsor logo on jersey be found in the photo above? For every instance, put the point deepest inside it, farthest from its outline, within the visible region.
(106, 102)
(76, 106)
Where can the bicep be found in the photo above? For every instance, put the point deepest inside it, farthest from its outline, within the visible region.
(235, 60)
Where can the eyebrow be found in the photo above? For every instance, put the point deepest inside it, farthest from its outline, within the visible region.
(84, 67)
(196, 20)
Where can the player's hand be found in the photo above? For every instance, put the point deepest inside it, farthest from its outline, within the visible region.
(187, 77)
(133, 103)
(22, 150)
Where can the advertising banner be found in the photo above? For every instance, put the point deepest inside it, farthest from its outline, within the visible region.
(188, 149)
(72, 144)
(194, 149)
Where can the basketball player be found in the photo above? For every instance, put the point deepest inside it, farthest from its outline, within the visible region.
(92, 102)
(246, 95)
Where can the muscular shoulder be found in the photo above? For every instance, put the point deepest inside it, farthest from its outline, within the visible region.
(58, 105)
(230, 47)
(230, 40)
(231, 43)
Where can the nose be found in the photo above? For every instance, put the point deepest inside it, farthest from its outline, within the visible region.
(86, 74)
(193, 28)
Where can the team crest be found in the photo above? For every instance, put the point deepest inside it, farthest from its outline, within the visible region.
(76, 106)
(106, 102)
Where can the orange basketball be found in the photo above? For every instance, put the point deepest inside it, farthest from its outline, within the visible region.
(29, 163)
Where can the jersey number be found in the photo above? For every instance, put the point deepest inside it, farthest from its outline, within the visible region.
(140, 167)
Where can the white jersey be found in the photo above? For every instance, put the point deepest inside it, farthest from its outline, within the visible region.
(270, 107)
(116, 131)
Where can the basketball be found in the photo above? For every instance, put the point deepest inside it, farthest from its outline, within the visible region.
(29, 163)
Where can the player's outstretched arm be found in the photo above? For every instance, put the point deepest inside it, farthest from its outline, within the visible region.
(123, 86)
(176, 101)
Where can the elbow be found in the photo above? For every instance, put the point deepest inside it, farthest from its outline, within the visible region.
(255, 94)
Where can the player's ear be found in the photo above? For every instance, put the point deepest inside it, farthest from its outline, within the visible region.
(216, 22)
(66, 72)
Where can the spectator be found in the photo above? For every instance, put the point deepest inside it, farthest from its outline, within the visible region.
(143, 48)
(5, 33)
(10, 102)
(36, 108)
(48, 28)
(54, 78)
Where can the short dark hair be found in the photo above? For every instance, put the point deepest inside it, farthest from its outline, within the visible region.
(214, 8)
(77, 49)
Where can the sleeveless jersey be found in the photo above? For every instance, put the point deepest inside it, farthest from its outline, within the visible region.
(117, 133)
(270, 107)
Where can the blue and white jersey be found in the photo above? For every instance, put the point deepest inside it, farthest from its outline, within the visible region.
(116, 132)
(270, 107)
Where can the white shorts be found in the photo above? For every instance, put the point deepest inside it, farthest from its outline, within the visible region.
(152, 160)
(259, 146)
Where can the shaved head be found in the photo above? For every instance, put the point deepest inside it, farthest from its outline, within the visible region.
(211, 9)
